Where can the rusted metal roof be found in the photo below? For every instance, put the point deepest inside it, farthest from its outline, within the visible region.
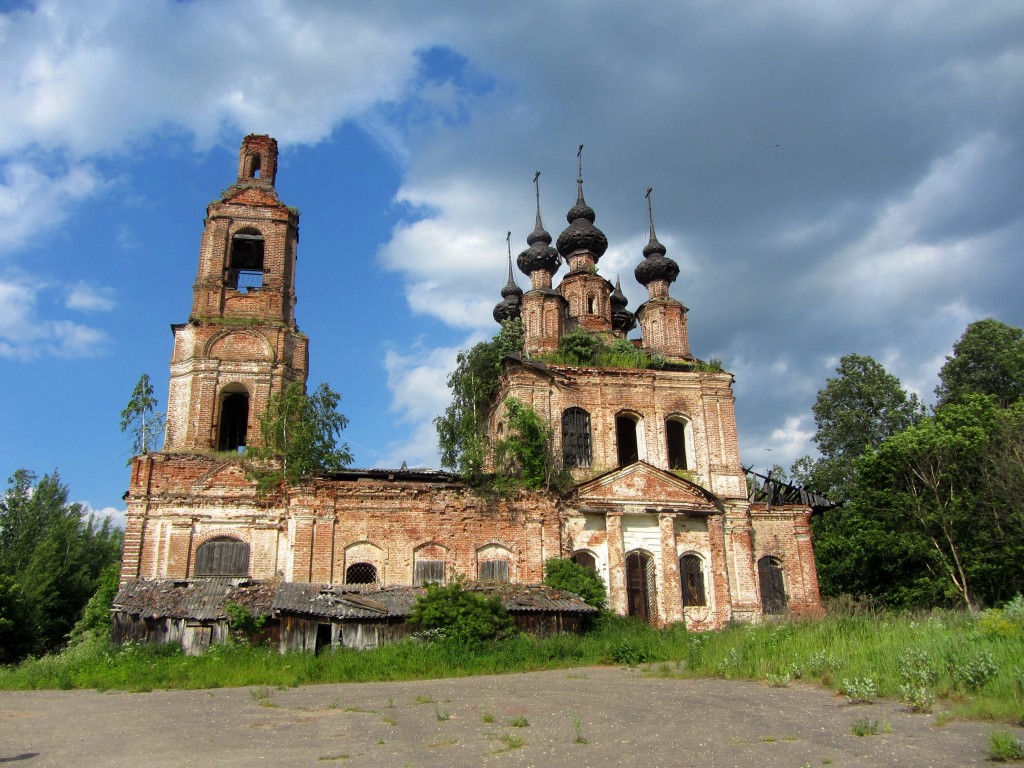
(203, 599)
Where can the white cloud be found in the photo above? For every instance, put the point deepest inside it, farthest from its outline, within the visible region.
(33, 199)
(88, 298)
(25, 336)
(113, 514)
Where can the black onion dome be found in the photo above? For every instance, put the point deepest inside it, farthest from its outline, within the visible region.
(622, 318)
(618, 298)
(511, 289)
(508, 308)
(656, 265)
(581, 234)
(540, 255)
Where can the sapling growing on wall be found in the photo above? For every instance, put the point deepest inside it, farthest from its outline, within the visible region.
(141, 418)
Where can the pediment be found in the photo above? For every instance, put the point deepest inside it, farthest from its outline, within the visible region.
(253, 196)
(229, 474)
(646, 486)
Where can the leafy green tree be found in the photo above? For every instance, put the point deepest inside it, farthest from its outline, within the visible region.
(51, 559)
(141, 418)
(578, 347)
(573, 577)
(987, 360)
(95, 620)
(299, 435)
(855, 411)
(461, 429)
(524, 455)
(462, 616)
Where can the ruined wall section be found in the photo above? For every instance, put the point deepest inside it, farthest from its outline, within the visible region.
(784, 532)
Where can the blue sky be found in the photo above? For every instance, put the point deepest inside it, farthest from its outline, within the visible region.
(832, 177)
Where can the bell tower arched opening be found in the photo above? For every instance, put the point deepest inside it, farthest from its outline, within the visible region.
(234, 418)
(245, 267)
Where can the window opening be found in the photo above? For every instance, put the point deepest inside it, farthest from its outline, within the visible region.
(245, 268)
(234, 422)
(675, 435)
(773, 589)
(361, 573)
(585, 559)
(590, 304)
(222, 556)
(429, 572)
(640, 585)
(255, 170)
(691, 575)
(494, 570)
(625, 439)
(576, 451)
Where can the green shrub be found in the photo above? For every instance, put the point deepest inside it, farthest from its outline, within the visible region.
(1004, 747)
(860, 690)
(464, 617)
(918, 698)
(244, 622)
(573, 577)
(974, 672)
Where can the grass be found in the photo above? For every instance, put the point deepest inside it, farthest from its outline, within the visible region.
(1004, 747)
(971, 672)
(519, 721)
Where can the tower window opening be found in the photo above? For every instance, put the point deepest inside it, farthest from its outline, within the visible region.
(576, 449)
(677, 439)
(590, 304)
(254, 170)
(245, 268)
(234, 422)
(626, 428)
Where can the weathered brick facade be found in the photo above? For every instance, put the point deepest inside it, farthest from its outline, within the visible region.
(660, 508)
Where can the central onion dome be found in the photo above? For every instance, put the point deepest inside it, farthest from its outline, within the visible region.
(540, 256)
(656, 265)
(510, 306)
(581, 234)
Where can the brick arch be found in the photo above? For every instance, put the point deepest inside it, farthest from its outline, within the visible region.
(240, 345)
(430, 562)
(230, 533)
(217, 533)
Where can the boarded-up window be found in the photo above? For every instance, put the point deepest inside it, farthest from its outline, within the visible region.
(585, 559)
(494, 570)
(691, 574)
(429, 572)
(576, 450)
(361, 573)
(773, 590)
(222, 557)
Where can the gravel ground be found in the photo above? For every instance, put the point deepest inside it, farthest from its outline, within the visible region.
(584, 717)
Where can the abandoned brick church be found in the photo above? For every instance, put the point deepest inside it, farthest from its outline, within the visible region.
(662, 508)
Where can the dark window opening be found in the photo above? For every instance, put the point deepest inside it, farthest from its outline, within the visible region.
(429, 572)
(773, 589)
(691, 575)
(585, 559)
(640, 585)
(675, 434)
(361, 573)
(590, 305)
(234, 422)
(254, 171)
(494, 570)
(222, 556)
(576, 438)
(625, 439)
(245, 269)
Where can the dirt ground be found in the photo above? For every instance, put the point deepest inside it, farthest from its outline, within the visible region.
(578, 718)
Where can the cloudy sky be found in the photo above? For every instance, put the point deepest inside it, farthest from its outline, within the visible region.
(832, 177)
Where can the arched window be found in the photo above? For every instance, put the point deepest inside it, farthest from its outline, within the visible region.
(245, 268)
(585, 559)
(222, 556)
(691, 577)
(590, 304)
(493, 570)
(361, 573)
(234, 418)
(576, 450)
(641, 594)
(773, 588)
(254, 169)
(679, 439)
(627, 438)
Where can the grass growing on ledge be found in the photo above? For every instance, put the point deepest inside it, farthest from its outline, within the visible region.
(973, 673)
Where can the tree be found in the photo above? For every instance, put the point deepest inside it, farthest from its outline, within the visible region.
(299, 434)
(464, 617)
(524, 455)
(461, 429)
(51, 558)
(141, 418)
(573, 577)
(987, 360)
(855, 411)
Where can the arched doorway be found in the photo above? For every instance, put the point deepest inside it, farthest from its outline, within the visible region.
(641, 591)
(773, 588)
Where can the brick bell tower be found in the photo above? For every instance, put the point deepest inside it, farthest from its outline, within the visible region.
(241, 343)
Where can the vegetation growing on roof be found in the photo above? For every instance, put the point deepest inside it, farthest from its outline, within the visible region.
(582, 348)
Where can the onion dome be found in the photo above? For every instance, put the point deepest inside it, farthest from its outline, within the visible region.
(540, 255)
(656, 265)
(622, 318)
(581, 234)
(510, 306)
